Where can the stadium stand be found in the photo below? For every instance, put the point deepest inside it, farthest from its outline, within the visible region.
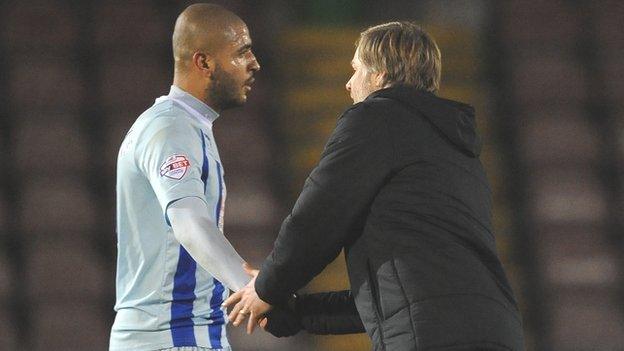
(560, 120)
(46, 95)
(8, 334)
(73, 276)
(33, 26)
(5, 280)
(119, 29)
(85, 329)
(56, 205)
(65, 153)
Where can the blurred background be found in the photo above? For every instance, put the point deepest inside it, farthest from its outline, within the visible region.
(544, 76)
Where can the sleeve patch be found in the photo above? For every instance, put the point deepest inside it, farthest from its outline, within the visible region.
(175, 167)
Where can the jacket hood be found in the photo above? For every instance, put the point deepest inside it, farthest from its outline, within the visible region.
(454, 120)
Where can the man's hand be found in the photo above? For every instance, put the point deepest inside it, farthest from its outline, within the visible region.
(247, 303)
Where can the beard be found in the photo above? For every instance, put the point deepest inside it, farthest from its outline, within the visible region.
(365, 88)
(225, 92)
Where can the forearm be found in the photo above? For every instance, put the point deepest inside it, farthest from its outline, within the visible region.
(332, 209)
(329, 313)
(319, 227)
(297, 258)
(199, 235)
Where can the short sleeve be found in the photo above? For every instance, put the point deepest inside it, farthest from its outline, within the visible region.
(171, 156)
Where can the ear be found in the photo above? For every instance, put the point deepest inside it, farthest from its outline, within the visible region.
(379, 79)
(204, 63)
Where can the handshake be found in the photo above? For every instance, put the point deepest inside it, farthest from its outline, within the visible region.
(319, 313)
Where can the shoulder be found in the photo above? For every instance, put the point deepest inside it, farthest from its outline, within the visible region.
(166, 118)
(164, 124)
(367, 115)
(371, 109)
(363, 122)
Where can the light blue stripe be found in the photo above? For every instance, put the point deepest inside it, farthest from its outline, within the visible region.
(216, 316)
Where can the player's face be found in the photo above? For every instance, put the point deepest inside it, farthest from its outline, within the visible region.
(361, 83)
(235, 66)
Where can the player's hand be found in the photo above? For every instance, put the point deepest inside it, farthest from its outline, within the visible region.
(236, 296)
(247, 303)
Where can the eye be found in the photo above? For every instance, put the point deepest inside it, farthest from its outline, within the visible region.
(244, 51)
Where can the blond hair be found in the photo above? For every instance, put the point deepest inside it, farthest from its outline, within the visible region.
(405, 52)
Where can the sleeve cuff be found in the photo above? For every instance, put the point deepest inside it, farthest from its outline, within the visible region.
(269, 290)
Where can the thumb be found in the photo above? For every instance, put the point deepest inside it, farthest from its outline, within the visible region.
(263, 323)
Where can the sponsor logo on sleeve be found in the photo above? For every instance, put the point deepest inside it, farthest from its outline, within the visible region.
(175, 167)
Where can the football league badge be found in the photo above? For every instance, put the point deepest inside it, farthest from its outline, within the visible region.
(175, 167)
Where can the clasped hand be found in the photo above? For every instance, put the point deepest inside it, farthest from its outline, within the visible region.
(247, 303)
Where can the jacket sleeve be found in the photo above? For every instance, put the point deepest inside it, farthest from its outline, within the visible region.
(329, 313)
(333, 205)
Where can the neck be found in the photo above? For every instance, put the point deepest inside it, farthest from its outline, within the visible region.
(194, 88)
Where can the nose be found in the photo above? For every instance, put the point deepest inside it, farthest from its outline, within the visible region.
(255, 66)
(348, 85)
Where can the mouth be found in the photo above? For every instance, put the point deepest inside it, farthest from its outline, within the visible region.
(249, 83)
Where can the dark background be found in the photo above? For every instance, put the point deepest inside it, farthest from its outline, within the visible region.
(544, 76)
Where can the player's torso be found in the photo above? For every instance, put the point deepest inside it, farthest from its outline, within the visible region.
(161, 292)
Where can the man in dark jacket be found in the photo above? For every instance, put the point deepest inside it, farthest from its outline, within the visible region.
(400, 188)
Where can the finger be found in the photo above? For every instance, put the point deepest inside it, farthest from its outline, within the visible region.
(240, 319)
(251, 323)
(235, 311)
(234, 298)
(263, 323)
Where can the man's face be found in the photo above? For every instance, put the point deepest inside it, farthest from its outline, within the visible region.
(235, 65)
(361, 83)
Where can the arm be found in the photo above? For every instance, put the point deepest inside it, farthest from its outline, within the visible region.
(180, 189)
(332, 208)
(329, 313)
(200, 236)
(321, 313)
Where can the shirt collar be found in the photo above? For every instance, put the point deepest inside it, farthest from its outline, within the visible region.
(199, 106)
